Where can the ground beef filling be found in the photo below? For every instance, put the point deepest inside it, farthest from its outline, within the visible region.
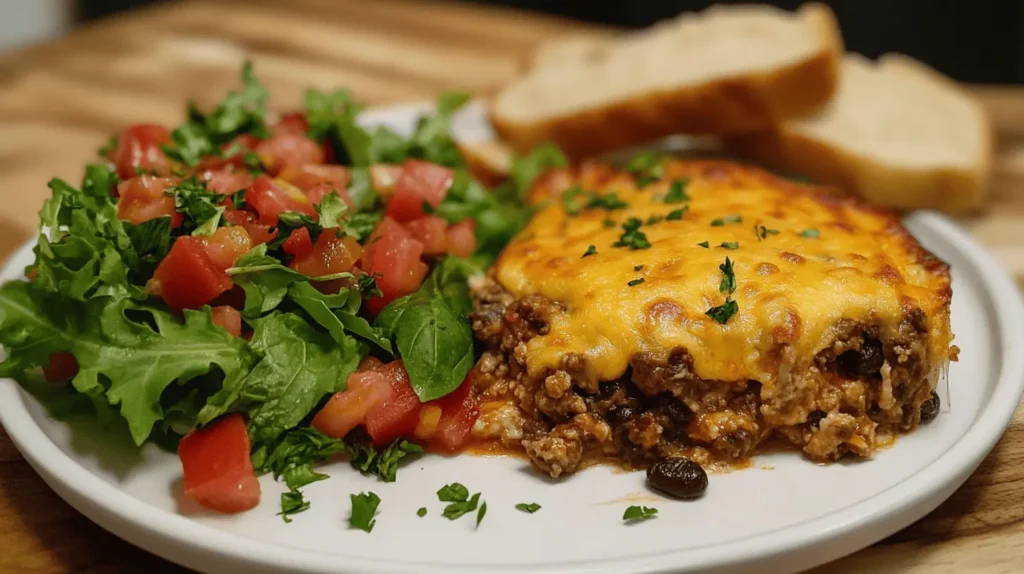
(851, 399)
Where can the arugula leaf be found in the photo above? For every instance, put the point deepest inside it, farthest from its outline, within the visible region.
(637, 513)
(266, 281)
(337, 314)
(121, 361)
(383, 464)
(364, 506)
(292, 502)
(299, 367)
(528, 508)
(432, 331)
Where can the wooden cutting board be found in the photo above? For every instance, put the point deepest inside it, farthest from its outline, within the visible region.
(60, 101)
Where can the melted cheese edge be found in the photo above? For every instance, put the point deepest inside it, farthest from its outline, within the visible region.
(791, 290)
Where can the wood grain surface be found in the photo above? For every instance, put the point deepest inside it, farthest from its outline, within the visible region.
(60, 101)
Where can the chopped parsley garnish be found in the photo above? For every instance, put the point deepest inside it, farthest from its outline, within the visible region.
(382, 463)
(763, 232)
(364, 506)
(646, 167)
(569, 200)
(609, 201)
(635, 282)
(528, 507)
(676, 192)
(632, 237)
(677, 214)
(730, 244)
(292, 457)
(453, 492)
(811, 233)
(292, 502)
(609, 223)
(591, 250)
(637, 513)
(704, 244)
(480, 513)
(654, 219)
(109, 147)
(367, 285)
(422, 511)
(724, 312)
(427, 208)
(461, 502)
(726, 220)
(637, 267)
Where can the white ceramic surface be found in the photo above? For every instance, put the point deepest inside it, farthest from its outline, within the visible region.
(783, 514)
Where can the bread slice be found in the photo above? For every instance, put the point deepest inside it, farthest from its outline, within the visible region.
(490, 161)
(726, 69)
(897, 133)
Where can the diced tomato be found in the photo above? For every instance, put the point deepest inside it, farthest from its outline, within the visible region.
(399, 414)
(317, 193)
(285, 149)
(142, 198)
(393, 256)
(459, 411)
(369, 363)
(298, 243)
(139, 147)
(383, 177)
(305, 177)
(61, 367)
(431, 231)
(421, 182)
(272, 197)
(461, 238)
(226, 245)
(237, 148)
(258, 232)
(217, 470)
(329, 255)
(226, 181)
(229, 318)
(186, 278)
(348, 409)
(293, 123)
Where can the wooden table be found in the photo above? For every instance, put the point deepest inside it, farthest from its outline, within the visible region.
(60, 101)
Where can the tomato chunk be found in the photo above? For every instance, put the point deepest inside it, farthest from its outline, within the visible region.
(226, 245)
(383, 177)
(329, 255)
(421, 182)
(258, 232)
(393, 257)
(232, 154)
(298, 243)
(431, 231)
(142, 198)
(226, 181)
(459, 411)
(306, 176)
(186, 278)
(289, 148)
(461, 238)
(139, 149)
(229, 318)
(293, 123)
(348, 409)
(61, 367)
(270, 198)
(217, 470)
(398, 415)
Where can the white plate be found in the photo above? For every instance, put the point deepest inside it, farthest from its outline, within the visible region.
(783, 514)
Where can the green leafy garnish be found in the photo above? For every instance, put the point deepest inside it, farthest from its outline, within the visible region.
(266, 281)
(453, 492)
(635, 282)
(480, 513)
(109, 147)
(728, 284)
(364, 507)
(637, 513)
(704, 244)
(721, 221)
(676, 192)
(810, 233)
(646, 167)
(570, 200)
(526, 169)
(632, 237)
(292, 502)
(591, 250)
(637, 267)
(337, 314)
(677, 214)
(460, 501)
(763, 232)
(729, 244)
(609, 223)
(384, 463)
(609, 201)
(654, 219)
(722, 313)
(422, 511)
(529, 508)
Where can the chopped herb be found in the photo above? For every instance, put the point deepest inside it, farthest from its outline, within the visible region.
(591, 250)
(367, 285)
(811, 233)
(635, 282)
(676, 193)
(364, 506)
(704, 244)
(763, 232)
(677, 214)
(728, 284)
(637, 267)
(427, 208)
(461, 503)
(654, 219)
(460, 508)
(726, 220)
(609, 201)
(646, 167)
(480, 514)
(453, 492)
(722, 313)
(109, 147)
(637, 513)
(292, 503)
(528, 507)
(730, 244)
(422, 511)
(382, 463)
(569, 202)
(632, 237)
(609, 223)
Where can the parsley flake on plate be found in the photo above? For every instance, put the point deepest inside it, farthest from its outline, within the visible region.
(460, 501)
(528, 507)
(730, 244)
(677, 214)
(591, 250)
(646, 167)
(704, 244)
(422, 511)
(676, 192)
(292, 502)
(722, 221)
(364, 507)
(480, 513)
(638, 513)
(631, 236)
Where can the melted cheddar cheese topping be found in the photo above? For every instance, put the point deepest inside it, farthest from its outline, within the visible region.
(792, 288)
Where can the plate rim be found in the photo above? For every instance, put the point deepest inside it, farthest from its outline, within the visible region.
(182, 540)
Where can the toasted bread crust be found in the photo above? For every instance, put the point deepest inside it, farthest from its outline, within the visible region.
(742, 103)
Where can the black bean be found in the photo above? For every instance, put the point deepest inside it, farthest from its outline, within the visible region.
(677, 478)
(619, 414)
(930, 409)
(866, 362)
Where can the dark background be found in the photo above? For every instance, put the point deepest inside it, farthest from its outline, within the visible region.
(970, 40)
